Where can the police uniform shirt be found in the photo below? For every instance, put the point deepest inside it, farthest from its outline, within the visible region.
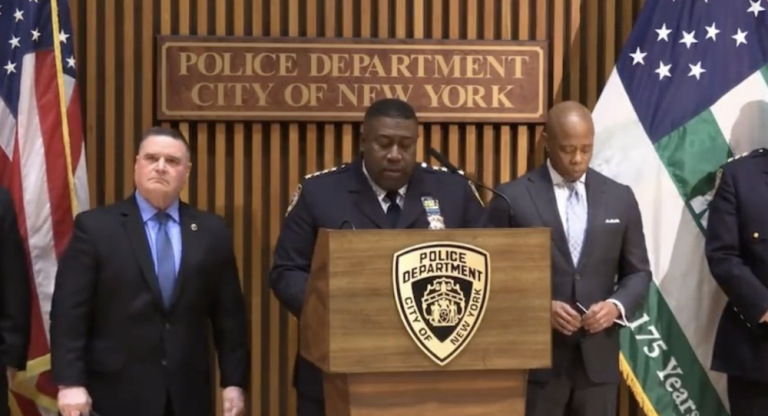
(381, 194)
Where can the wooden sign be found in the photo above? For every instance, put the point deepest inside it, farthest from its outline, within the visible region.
(321, 79)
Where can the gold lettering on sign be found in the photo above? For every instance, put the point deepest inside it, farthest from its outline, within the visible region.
(222, 78)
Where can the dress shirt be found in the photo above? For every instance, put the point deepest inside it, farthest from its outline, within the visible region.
(561, 196)
(381, 194)
(150, 227)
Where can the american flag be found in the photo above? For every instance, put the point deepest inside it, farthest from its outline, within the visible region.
(48, 185)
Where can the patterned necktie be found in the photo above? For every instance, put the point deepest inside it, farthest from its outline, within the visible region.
(393, 210)
(165, 261)
(576, 219)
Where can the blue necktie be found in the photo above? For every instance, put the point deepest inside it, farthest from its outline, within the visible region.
(393, 210)
(576, 220)
(165, 261)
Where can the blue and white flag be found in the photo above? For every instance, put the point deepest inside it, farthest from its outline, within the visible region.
(689, 91)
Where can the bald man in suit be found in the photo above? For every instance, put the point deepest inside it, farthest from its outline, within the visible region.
(597, 234)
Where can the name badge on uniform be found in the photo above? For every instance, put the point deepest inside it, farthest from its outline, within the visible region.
(432, 207)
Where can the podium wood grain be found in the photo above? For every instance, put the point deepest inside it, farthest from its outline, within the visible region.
(351, 329)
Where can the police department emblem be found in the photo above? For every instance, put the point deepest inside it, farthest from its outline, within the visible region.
(718, 177)
(441, 292)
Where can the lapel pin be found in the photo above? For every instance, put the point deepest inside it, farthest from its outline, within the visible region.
(755, 235)
(193, 227)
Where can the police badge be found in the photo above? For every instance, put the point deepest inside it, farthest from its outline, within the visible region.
(441, 291)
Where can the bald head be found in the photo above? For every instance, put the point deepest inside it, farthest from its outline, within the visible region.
(569, 136)
(566, 116)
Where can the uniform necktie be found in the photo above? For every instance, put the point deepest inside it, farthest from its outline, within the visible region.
(576, 221)
(393, 210)
(165, 261)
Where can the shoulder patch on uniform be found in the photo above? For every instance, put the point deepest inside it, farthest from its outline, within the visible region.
(718, 176)
(294, 199)
(323, 172)
(474, 191)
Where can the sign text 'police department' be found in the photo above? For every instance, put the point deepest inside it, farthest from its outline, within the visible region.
(336, 80)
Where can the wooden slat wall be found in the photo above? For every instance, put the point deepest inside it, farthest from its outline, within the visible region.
(247, 171)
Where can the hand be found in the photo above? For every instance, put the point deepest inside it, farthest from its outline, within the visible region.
(600, 316)
(564, 318)
(764, 318)
(74, 401)
(10, 373)
(233, 401)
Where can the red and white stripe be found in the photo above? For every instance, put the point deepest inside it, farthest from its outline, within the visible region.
(33, 168)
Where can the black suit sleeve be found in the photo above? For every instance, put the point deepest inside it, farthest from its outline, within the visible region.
(473, 207)
(497, 214)
(723, 250)
(16, 301)
(228, 316)
(293, 256)
(634, 275)
(71, 307)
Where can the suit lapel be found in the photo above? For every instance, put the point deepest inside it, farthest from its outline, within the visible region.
(595, 188)
(365, 198)
(542, 193)
(134, 227)
(413, 208)
(190, 249)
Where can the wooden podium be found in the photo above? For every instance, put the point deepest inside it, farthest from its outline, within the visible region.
(432, 322)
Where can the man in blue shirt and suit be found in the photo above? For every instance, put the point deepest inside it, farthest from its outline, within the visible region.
(137, 289)
(383, 189)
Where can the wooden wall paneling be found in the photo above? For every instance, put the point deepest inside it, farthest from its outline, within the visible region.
(110, 99)
(505, 22)
(247, 171)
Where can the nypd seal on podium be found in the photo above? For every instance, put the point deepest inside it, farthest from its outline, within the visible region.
(441, 291)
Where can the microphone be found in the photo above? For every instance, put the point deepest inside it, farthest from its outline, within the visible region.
(453, 169)
(347, 222)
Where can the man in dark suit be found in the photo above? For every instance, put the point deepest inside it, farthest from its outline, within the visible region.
(737, 253)
(383, 189)
(136, 290)
(15, 297)
(597, 235)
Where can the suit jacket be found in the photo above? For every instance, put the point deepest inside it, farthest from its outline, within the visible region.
(613, 262)
(737, 253)
(341, 198)
(111, 333)
(15, 294)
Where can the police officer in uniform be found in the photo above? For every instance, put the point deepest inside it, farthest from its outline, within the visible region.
(737, 253)
(385, 188)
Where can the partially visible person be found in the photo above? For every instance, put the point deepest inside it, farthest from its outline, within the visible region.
(15, 297)
(383, 189)
(737, 253)
(600, 268)
(141, 287)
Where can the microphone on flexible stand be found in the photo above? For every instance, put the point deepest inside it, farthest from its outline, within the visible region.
(453, 169)
(343, 223)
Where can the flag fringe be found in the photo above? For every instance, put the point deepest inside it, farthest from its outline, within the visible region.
(14, 405)
(635, 388)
